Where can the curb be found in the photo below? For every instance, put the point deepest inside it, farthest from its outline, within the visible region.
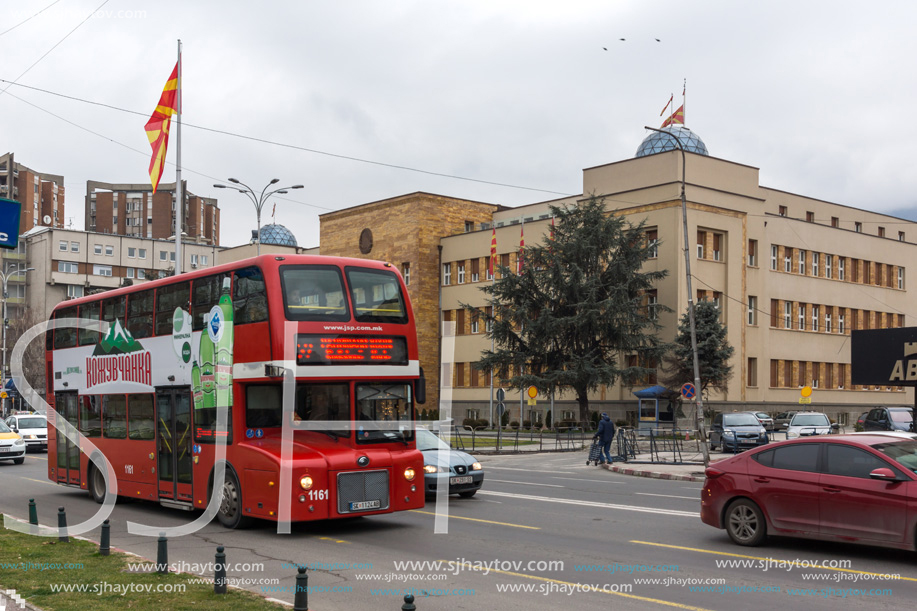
(653, 474)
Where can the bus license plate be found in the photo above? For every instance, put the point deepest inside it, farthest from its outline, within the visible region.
(465, 479)
(361, 505)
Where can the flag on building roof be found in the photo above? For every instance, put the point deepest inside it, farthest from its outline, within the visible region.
(667, 104)
(157, 128)
(493, 250)
(676, 117)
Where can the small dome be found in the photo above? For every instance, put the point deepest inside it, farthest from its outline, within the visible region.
(658, 142)
(278, 235)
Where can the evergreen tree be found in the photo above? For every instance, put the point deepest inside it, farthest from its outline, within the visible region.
(713, 351)
(576, 312)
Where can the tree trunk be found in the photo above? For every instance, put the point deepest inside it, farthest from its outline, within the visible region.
(582, 397)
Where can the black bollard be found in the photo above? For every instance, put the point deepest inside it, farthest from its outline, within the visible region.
(105, 543)
(408, 603)
(219, 577)
(301, 599)
(62, 526)
(33, 512)
(162, 555)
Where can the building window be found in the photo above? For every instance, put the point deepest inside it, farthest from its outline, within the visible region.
(460, 272)
(787, 314)
(488, 319)
(718, 301)
(203, 257)
(774, 303)
(447, 274)
(717, 246)
(828, 322)
(802, 262)
(63, 245)
(469, 226)
(841, 324)
(841, 375)
(131, 252)
(835, 222)
(900, 236)
(801, 317)
(130, 272)
(701, 243)
(815, 318)
(752, 310)
(74, 291)
(141, 275)
(67, 267)
(109, 251)
(488, 271)
(475, 270)
(901, 278)
(815, 257)
(101, 270)
(881, 232)
(841, 265)
(652, 301)
(652, 242)
(752, 371)
(773, 257)
(142, 253)
(98, 249)
(163, 255)
(194, 260)
(810, 217)
(787, 259)
(475, 326)
(781, 210)
(858, 227)
(172, 256)
(829, 260)
(406, 273)
(753, 253)
(74, 247)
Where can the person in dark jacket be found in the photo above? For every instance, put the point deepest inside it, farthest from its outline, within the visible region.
(605, 434)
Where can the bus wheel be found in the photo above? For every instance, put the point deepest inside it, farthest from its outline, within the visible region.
(96, 485)
(230, 513)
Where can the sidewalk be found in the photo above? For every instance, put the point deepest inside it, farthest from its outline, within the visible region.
(642, 466)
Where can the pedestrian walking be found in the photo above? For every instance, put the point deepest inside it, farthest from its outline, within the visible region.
(605, 435)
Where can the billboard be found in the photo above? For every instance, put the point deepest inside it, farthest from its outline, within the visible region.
(884, 357)
(9, 223)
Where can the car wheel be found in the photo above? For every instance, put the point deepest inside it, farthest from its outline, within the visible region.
(230, 513)
(19, 461)
(467, 494)
(745, 523)
(97, 485)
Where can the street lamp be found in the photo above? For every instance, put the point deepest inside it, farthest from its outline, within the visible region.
(258, 200)
(5, 275)
(699, 409)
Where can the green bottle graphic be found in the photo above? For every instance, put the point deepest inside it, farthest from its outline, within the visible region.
(208, 379)
(196, 390)
(224, 349)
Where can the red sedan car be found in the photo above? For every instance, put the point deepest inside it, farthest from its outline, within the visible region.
(859, 488)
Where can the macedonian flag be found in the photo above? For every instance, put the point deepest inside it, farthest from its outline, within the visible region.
(157, 128)
(676, 117)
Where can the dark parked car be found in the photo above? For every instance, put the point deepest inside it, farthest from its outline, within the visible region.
(736, 431)
(783, 420)
(889, 419)
(460, 471)
(861, 421)
(765, 419)
(856, 488)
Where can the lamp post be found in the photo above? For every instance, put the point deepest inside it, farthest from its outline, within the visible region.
(699, 402)
(258, 200)
(5, 275)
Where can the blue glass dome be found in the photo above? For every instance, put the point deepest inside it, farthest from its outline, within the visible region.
(277, 234)
(658, 142)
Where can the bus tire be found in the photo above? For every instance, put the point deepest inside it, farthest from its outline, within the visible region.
(96, 484)
(230, 512)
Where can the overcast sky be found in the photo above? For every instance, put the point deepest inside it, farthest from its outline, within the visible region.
(815, 94)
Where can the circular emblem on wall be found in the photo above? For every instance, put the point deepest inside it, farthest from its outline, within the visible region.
(366, 241)
(215, 324)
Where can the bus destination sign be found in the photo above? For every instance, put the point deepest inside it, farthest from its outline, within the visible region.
(351, 350)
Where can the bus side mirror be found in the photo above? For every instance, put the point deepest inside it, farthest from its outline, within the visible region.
(420, 389)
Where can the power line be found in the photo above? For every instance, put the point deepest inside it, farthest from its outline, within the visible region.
(29, 18)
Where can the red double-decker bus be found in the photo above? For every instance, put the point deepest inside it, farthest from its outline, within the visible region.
(145, 388)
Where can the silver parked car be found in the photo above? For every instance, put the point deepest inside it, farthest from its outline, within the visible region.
(461, 472)
(805, 424)
(765, 419)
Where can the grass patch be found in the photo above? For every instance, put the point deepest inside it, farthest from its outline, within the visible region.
(21, 556)
(491, 442)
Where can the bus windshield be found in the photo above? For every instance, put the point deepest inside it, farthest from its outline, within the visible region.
(315, 292)
(376, 296)
(326, 403)
(388, 405)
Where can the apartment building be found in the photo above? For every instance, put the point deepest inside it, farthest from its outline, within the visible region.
(41, 194)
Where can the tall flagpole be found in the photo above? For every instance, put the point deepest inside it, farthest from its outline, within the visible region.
(179, 196)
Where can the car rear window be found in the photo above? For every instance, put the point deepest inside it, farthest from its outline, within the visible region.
(810, 420)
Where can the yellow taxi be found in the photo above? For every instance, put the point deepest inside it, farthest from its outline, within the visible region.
(12, 447)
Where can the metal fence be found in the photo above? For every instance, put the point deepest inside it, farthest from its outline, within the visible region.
(481, 441)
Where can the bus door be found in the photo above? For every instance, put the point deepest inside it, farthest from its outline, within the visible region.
(68, 453)
(173, 443)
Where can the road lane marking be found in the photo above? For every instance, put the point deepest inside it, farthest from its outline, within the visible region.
(670, 496)
(771, 559)
(40, 481)
(506, 481)
(547, 499)
(657, 601)
(454, 517)
(333, 539)
(601, 481)
(529, 470)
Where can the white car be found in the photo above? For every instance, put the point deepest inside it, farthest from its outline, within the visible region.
(11, 445)
(33, 428)
(805, 424)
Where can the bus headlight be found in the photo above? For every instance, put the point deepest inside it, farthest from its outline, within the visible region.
(305, 482)
(409, 474)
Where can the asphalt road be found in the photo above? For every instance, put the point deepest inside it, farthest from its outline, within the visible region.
(544, 529)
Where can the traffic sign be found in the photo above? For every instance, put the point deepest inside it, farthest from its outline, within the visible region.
(532, 392)
(501, 408)
(3, 394)
(805, 400)
(532, 402)
(501, 394)
(688, 391)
